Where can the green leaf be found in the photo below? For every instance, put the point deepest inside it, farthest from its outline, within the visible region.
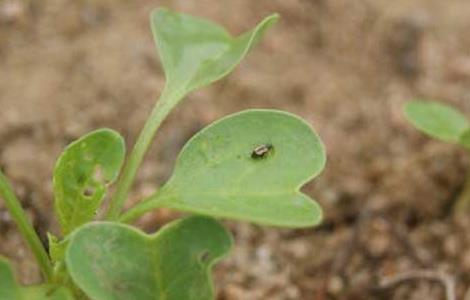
(8, 286)
(10, 290)
(196, 52)
(46, 292)
(56, 248)
(82, 174)
(437, 120)
(464, 139)
(219, 174)
(112, 261)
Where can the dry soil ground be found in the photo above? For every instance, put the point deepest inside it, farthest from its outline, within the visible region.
(67, 67)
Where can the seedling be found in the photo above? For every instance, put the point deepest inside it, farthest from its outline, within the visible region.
(447, 124)
(227, 170)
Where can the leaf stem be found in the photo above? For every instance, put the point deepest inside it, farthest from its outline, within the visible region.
(163, 107)
(142, 207)
(26, 229)
(462, 204)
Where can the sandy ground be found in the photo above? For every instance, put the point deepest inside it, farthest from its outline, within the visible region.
(347, 67)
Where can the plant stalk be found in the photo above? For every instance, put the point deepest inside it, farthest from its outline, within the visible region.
(163, 107)
(26, 229)
(462, 204)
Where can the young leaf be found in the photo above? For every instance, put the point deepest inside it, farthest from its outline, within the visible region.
(10, 290)
(56, 247)
(112, 261)
(196, 52)
(82, 174)
(247, 166)
(437, 120)
(57, 254)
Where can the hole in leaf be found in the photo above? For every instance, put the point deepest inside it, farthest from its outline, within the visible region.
(89, 191)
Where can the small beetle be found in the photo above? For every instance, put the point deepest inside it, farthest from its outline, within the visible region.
(261, 151)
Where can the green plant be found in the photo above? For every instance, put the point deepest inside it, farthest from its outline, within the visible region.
(447, 124)
(247, 166)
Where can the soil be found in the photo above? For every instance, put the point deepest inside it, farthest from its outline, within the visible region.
(347, 67)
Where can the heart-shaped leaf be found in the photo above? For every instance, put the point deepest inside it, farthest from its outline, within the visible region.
(195, 52)
(82, 174)
(112, 261)
(10, 290)
(247, 166)
(437, 120)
